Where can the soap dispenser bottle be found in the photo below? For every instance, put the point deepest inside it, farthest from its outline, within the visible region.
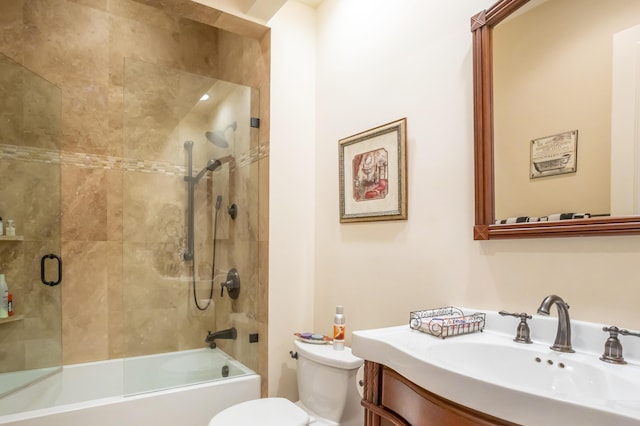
(4, 298)
(338, 329)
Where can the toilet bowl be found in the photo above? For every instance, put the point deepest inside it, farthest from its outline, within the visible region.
(329, 394)
(263, 412)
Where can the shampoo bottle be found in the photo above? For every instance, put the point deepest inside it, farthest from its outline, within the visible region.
(11, 229)
(338, 329)
(4, 298)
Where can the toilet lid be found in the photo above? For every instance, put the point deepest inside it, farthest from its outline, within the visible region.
(263, 412)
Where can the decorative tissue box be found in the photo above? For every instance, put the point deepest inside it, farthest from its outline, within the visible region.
(445, 322)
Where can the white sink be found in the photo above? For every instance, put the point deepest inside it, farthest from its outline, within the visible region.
(536, 369)
(527, 384)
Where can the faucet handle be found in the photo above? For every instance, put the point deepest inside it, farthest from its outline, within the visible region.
(232, 284)
(612, 347)
(523, 334)
(628, 333)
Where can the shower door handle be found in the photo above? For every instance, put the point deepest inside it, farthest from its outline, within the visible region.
(43, 267)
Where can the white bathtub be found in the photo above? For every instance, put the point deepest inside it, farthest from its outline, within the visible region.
(95, 393)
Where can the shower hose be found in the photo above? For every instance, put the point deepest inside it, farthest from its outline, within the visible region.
(213, 261)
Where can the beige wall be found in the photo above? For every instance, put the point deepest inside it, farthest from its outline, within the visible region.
(292, 204)
(552, 78)
(125, 288)
(378, 61)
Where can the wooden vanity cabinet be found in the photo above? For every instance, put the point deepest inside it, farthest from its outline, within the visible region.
(392, 400)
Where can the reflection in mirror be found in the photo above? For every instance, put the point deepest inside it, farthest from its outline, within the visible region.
(546, 71)
(552, 74)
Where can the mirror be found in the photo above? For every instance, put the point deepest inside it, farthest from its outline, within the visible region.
(524, 106)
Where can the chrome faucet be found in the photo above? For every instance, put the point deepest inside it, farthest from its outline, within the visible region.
(229, 333)
(563, 336)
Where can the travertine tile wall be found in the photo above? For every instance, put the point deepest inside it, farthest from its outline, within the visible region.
(123, 198)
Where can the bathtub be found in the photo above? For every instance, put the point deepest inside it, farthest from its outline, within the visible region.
(149, 390)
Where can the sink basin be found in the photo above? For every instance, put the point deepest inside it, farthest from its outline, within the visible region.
(535, 369)
(524, 383)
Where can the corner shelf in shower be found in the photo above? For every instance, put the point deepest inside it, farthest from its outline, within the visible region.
(15, 238)
(12, 318)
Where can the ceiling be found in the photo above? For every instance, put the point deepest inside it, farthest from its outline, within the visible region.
(257, 10)
(312, 3)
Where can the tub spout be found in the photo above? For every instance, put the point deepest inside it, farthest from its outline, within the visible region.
(229, 333)
(563, 335)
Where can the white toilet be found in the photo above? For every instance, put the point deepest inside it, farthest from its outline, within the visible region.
(329, 394)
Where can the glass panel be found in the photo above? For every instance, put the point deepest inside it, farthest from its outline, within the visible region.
(191, 155)
(30, 129)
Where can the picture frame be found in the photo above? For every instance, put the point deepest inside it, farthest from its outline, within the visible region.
(554, 155)
(373, 174)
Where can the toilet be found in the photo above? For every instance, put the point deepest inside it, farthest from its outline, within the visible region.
(329, 394)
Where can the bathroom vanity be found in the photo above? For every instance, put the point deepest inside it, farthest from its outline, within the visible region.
(487, 378)
(392, 399)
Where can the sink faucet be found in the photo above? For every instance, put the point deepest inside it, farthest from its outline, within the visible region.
(229, 333)
(563, 336)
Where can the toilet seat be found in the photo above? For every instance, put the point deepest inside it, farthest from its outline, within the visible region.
(263, 412)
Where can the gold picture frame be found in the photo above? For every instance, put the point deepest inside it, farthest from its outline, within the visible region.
(373, 174)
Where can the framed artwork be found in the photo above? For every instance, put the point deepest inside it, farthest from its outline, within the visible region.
(373, 174)
(554, 155)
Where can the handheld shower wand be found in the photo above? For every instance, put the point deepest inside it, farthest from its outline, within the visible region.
(189, 254)
(211, 166)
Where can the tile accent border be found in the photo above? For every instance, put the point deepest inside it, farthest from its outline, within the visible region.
(96, 161)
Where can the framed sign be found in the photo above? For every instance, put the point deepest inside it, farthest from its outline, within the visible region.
(554, 155)
(373, 174)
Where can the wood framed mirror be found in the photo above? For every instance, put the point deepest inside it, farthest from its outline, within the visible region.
(602, 221)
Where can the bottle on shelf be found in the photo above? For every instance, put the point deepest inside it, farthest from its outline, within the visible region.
(11, 228)
(4, 298)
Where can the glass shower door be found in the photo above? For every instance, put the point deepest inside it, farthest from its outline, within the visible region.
(192, 145)
(30, 129)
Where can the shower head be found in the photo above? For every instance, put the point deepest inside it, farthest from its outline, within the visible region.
(213, 165)
(218, 162)
(218, 138)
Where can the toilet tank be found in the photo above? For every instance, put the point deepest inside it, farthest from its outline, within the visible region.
(327, 383)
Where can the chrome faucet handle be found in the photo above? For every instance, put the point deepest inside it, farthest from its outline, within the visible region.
(523, 334)
(612, 347)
